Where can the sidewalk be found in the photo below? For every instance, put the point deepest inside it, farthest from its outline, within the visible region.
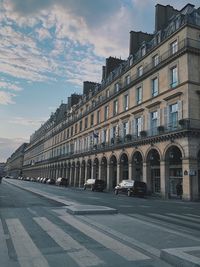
(174, 246)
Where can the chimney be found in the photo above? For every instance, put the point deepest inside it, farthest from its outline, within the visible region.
(136, 40)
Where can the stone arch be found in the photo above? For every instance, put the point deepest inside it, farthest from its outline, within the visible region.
(96, 168)
(112, 179)
(153, 159)
(123, 167)
(149, 149)
(103, 167)
(137, 165)
(174, 170)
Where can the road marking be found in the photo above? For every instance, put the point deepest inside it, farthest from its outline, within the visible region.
(188, 224)
(133, 241)
(3, 246)
(193, 215)
(78, 252)
(181, 256)
(184, 217)
(27, 252)
(143, 219)
(119, 248)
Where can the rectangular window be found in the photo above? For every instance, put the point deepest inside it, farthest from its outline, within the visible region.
(86, 123)
(155, 86)
(125, 128)
(92, 120)
(106, 113)
(107, 93)
(174, 76)
(80, 126)
(76, 128)
(173, 116)
(155, 60)
(125, 102)
(72, 131)
(128, 79)
(104, 137)
(115, 107)
(154, 122)
(138, 126)
(174, 47)
(140, 71)
(139, 95)
(98, 116)
(116, 89)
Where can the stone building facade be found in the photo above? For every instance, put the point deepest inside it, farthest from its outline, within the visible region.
(141, 122)
(14, 163)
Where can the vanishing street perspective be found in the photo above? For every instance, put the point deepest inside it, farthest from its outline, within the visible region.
(111, 178)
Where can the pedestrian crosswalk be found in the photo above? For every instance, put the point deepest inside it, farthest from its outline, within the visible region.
(128, 250)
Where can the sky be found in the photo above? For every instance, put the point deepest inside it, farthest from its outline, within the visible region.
(49, 47)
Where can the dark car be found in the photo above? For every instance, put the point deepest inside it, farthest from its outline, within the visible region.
(51, 181)
(131, 188)
(62, 181)
(95, 185)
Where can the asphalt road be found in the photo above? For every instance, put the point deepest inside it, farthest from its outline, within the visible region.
(37, 231)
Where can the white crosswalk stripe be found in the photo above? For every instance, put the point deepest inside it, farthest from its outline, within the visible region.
(79, 253)
(175, 220)
(189, 218)
(27, 253)
(116, 246)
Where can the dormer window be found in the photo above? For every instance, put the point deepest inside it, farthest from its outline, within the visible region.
(127, 79)
(143, 50)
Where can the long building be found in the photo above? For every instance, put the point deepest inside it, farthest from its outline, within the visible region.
(142, 121)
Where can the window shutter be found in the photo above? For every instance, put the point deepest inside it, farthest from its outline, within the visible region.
(149, 122)
(133, 127)
(180, 110)
(142, 123)
(159, 111)
(111, 133)
(166, 116)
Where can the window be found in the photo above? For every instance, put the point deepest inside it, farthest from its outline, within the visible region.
(174, 76)
(154, 122)
(115, 107)
(173, 115)
(72, 131)
(98, 116)
(106, 114)
(143, 50)
(125, 128)
(107, 93)
(174, 47)
(139, 95)
(140, 71)
(155, 60)
(76, 128)
(138, 126)
(127, 79)
(80, 126)
(92, 120)
(155, 86)
(104, 135)
(125, 102)
(86, 123)
(116, 89)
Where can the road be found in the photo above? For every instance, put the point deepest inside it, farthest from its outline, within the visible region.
(36, 230)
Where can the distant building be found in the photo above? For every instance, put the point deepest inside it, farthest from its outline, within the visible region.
(2, 169)
(141, 122)
(15, 162)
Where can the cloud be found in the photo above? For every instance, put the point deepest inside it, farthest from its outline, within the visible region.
(27, 122)
(8, 146)
(6, 98)
(9, 86)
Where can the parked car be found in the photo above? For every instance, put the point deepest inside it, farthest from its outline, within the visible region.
(62, 181)
(131, 188)
(51, 181)
(38, 179)
(95, 184)
(33, 179)
(44, 180)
